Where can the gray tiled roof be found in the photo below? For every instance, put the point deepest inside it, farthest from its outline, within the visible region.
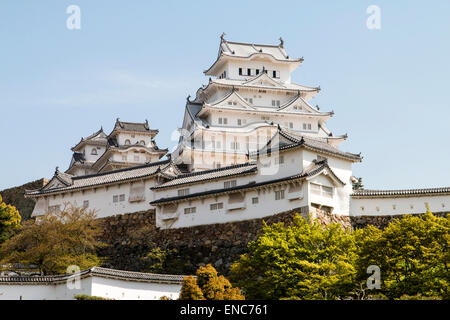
(293, 140)
(99, 272)
(133, 126)
(99, 179)
(201, 176)
(400, 193)
(97, 138)
(315, 168)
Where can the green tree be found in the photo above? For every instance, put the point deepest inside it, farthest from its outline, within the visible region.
(190, 290)
(9, 220)
(412, 254)
(208, 286)
(301, 261)
(55, 241)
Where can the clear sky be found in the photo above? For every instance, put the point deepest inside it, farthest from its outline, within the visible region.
(137, 60)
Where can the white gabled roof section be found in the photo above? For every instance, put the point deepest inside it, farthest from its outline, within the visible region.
(236, 102)
(328, 173)
(263, 80)
(249, 51)
(298, 101)
(59, 180)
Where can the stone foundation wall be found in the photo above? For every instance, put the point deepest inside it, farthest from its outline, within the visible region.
(131, 237)
(381, 221)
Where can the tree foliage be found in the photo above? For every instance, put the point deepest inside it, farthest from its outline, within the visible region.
(55, 241)
(412, 253)
(9, 220)
(307, 261)
(208, 286)
(303, 260)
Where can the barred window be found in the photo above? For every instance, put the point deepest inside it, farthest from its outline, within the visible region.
(229, 184)
(183, 192)
(279, 194)
(190, 210)
(216, 206)
(323, 191)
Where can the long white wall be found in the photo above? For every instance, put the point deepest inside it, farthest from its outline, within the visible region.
(133, 290)
(95, 286)
(58, 291)
(398, 205)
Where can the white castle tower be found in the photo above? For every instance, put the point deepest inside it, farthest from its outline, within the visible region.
(248, 97)
(129, 144)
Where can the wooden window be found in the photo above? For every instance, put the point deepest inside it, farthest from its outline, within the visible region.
(320, 190)
(255, 200)
(249, 72)
(327, 191)
(279, 194)
(115, 198)
(229, 184)
(137, 192)
(234, 145)
(183, 192)
(216, 206)
(239, 122)
(291, 125)
(220, 120)
(190, 210)
(315, 189)
(85, 204)
(279, 160)
(121, 197)
(240, 71)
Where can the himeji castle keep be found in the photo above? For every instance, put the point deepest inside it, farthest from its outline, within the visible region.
(251, 145)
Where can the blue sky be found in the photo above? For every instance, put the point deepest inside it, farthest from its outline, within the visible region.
(140, 59)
